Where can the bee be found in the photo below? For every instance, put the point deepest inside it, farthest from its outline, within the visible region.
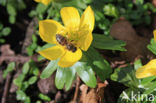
(64, 42)
(61, 39)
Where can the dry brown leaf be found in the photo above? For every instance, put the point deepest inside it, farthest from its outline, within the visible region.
(6, 51)
(87, 97)
(47, 85)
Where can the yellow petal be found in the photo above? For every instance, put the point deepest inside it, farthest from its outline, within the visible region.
(48, 30)
(70, 58)
(87, 19)
(85, 41)
(70, 17)
(45, 2)
(52, 53)
(147, 70)
(154, 32)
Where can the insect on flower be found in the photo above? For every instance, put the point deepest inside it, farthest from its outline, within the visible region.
(64, 42)
(61, 39)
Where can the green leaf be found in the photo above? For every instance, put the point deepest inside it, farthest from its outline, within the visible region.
(44, 97)
(18, 81)
(86, 74)
(139, 2)
(21, 4)
(10, 68)
(25, 68)
(32, 80)
(151, 88)
(105, 42)
(60, 78)
(32, 13)
(70, 75)
(12, 19)
(41, 8)
(2, 40)
(3, 2)
(75, 3)
(20, 95)
(152, 46)
(110, 10)
(52, 66)
(6, 31)
(146, 82)
(126, 76)
(36, 71)
(27, 100)
(65, 76)
(11, 10)
(38, 101)
(99, 65)
(24, 86)
(1, 26)
(137, 64)
(39, 58)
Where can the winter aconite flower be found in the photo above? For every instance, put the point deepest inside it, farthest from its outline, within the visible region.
(45, 2)
(70, 39)
(154, 32)
(147, 70)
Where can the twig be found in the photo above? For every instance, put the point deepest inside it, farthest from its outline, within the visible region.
(28, 36)
(6, 88)
(76, 90)
(21, 59)
(18, 58)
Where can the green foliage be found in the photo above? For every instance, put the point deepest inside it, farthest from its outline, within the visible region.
(4, 31)
(23, 82)
(33, 46)
(44, 97)
(110, 10)
(100, 66)
(10, 68)
(12, 7)
(20, 95)
(152, 46)
(126, 76)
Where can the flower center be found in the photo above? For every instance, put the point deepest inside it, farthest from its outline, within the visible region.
(71, 38)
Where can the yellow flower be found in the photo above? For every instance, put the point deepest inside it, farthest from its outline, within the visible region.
(45, 2)
(154, 32)
(77, 31)
(147, 70)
